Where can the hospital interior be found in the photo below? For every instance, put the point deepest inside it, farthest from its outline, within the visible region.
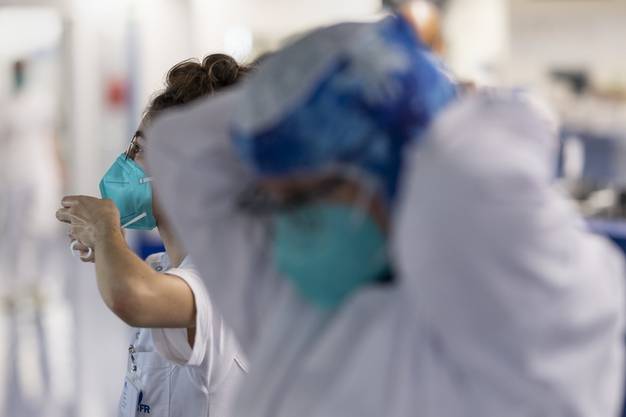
(76, 78)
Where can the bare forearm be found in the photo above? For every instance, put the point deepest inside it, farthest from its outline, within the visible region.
(120, 273)
(138, 295)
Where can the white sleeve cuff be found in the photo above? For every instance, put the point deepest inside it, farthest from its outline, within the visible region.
(173, 344)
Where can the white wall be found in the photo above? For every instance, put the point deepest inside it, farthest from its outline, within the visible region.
(586, 33)
(25, 31)
(164, 37)
(95, 43)
(477, 38)
(270, 21)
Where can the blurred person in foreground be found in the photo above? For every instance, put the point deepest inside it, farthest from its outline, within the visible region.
(37, 368)
(405, 251)
(183, 359)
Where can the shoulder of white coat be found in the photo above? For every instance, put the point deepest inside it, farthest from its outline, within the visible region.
(188, 272)
(188, 264)
(489, 110)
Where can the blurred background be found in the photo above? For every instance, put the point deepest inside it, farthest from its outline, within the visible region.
(75, 76)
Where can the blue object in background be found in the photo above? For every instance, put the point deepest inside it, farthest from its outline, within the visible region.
(604, 156)
(620, 241)
(613, 229)
(147, 243)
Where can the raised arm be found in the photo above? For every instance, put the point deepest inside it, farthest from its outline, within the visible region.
(200, 180)
(522, 300)
(136, 293)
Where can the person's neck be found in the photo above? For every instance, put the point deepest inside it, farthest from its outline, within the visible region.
(175, 250)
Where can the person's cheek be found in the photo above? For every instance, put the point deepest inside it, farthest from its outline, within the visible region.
(139, 160)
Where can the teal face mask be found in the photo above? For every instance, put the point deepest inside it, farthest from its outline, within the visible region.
(128, 186)
(328, 251)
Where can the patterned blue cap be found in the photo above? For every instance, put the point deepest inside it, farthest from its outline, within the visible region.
(350, 96)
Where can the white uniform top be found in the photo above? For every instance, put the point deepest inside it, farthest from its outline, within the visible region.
(504, 304)
(175, 379)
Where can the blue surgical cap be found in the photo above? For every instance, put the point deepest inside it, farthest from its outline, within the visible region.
(350, 96)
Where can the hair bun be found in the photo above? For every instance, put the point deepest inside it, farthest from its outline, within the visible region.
(190, 79)
(222, 69)
(183, 72)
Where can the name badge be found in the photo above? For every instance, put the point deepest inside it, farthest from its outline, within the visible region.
(130, 399)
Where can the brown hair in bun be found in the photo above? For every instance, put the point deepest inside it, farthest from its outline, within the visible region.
(190, 79)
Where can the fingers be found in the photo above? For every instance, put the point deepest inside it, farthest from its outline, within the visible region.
(73, 201)
(82, 232)
(88, 255)
(90, 260)
(70, 200)
(85, 236)
(76, 212)
(85, 253)
(80, 247)
(65, 215)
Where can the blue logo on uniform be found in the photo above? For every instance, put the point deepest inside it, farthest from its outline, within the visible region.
(142, 408)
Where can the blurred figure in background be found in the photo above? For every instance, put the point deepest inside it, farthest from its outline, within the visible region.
(36, 323)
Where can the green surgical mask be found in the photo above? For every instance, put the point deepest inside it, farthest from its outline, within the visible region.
(128, 186)
(328, 251)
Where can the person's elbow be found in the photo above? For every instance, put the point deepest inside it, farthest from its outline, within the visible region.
(126, 306)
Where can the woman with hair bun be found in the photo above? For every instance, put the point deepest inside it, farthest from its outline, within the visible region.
(183, 360)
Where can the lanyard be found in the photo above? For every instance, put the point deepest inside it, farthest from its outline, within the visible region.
(133, 361)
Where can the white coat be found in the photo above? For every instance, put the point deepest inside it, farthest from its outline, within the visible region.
(165, 376)
(504, 304)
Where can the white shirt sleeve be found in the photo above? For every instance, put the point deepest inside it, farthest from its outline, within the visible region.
(200, 180)
(173, 344)
(215, 356)
(500, 268)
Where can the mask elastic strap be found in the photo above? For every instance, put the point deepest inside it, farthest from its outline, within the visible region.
(145, 180)
(134, 220)
(73, 248)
